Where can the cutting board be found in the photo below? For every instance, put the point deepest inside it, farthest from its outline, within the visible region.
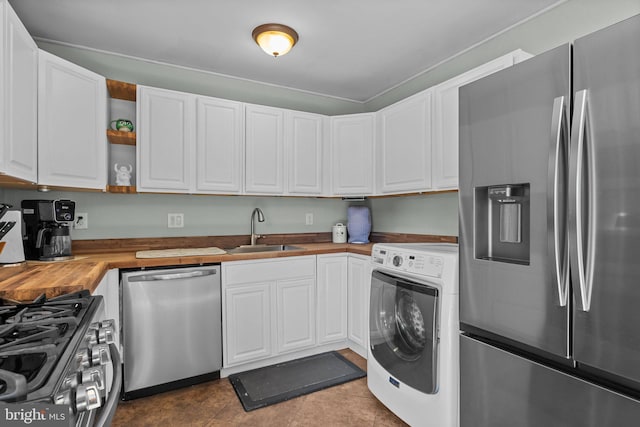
(176, 253)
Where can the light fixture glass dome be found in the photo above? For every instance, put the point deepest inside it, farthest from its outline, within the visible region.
(275, 39)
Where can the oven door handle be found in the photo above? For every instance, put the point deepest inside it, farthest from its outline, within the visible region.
(16, 386)
(109, 409)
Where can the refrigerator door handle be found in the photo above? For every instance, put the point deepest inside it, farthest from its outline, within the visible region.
(581, 199)
(556, 198)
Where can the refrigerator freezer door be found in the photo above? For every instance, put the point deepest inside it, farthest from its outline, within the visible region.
(500, 389)
(510, 126)
(607, 68)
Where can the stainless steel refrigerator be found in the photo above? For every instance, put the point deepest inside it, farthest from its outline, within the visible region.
(550, 237)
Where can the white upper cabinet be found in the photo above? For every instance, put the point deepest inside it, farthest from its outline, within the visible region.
(18, 98)
(304, 148)
(219, 146)
(264, 145)
(352, 139)
(72, 118)
(403, 146)
(165, 140)
(445, 126)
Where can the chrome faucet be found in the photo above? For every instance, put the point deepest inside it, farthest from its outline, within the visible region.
(255, 236)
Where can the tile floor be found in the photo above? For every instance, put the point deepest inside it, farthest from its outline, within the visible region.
(215, 404)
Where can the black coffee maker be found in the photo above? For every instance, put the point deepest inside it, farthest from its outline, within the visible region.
(46, 229)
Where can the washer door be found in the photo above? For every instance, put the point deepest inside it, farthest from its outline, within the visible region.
(404, 330)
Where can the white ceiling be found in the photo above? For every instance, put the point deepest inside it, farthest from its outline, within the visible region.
(351, 49)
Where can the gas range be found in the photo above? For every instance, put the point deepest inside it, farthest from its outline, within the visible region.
(58, 351)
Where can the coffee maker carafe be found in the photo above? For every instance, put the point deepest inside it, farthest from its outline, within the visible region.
(47, 229)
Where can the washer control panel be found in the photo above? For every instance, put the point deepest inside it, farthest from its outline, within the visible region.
(408, 261)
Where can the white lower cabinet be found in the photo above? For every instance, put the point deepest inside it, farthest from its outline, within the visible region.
(268, 308)
(332, 297)
(359, 284)
(248, 322)
(295, 304)
(109, 289)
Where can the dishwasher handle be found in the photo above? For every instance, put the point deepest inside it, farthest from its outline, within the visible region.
(172, 276)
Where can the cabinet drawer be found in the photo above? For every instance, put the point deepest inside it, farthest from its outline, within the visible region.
(237, 272)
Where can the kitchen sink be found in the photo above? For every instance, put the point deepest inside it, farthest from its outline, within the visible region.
(245, 249)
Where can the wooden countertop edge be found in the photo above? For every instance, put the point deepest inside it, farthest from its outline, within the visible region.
(23, 282)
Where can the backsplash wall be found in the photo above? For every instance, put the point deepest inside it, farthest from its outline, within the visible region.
(145, 215)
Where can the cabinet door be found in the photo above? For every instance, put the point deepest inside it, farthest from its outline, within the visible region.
(304, 148)
(404, 145)
(445, 139)
(248, 323)
(352, 154)
(165, 140)
(264, 150)
(332, 298)
(219, 146)
(72, 119)
(295, 308)
(19, 95)
(359, 278)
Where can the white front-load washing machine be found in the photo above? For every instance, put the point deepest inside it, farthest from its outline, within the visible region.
(413, 357)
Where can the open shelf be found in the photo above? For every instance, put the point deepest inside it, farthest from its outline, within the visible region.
(123, 138)
(121, 189)
(122, 151)
(122, 90)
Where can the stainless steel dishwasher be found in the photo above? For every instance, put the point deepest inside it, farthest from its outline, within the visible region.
(172, 328)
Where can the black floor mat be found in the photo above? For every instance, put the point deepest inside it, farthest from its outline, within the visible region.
(276, 383)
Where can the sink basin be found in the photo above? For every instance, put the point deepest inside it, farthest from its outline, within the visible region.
(245, 249)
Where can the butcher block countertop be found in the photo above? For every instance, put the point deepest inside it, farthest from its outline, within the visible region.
(28, 281)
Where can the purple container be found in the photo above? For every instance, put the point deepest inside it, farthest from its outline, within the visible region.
(358, 224)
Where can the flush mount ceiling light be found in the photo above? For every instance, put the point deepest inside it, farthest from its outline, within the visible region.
(275, 39)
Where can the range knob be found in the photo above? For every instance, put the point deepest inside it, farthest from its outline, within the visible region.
(87, 397)
(95, 375)
(100, 355)
(106, 335)
(397, 260)
(63, 398)
(91, 337)
(71, 381)
(83, 357)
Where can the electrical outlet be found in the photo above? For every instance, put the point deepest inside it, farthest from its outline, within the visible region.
(309, 219)
(175, 220)
(82, 221)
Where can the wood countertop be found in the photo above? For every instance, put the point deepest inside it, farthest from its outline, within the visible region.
(26, 282)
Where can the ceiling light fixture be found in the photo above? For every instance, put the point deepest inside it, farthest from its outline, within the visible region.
(275, 39)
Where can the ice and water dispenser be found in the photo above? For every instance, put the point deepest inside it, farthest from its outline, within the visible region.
(502, 223)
